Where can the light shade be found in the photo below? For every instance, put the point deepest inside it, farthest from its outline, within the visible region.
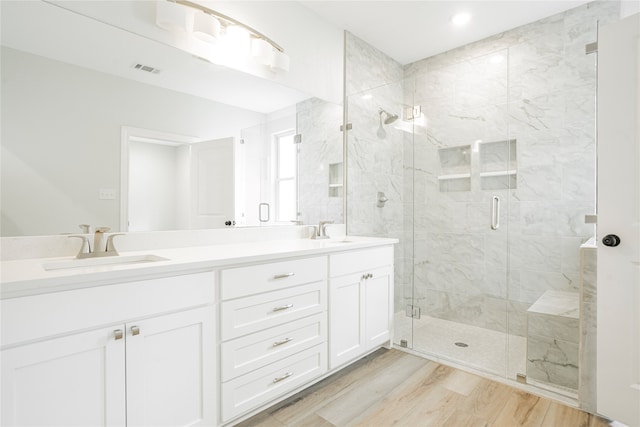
(262, 50)
(237, 39)
(206, 27)
(280, 61)
(174, 17)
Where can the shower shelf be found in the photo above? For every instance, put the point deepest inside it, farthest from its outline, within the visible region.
(454, 176)
(499, 173)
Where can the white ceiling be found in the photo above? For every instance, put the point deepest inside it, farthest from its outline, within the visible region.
(408, 31)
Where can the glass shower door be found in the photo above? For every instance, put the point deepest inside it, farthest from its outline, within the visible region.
(462, 174)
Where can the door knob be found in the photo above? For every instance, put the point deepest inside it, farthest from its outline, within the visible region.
(611, 240)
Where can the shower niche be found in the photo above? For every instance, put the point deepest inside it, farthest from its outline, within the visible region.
(455, 168)
(496, 166)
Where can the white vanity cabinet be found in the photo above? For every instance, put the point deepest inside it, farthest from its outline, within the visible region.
(360, 302)
(139, 353)
(273, 330)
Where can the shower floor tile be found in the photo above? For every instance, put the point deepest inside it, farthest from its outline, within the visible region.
(486, 350)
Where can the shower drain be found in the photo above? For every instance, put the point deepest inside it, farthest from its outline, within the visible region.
(461, 344)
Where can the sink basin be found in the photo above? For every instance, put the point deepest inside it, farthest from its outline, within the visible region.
(340, 241)
(103, 261)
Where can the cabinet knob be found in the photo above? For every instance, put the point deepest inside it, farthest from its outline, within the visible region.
(118, 334)
(135, 330)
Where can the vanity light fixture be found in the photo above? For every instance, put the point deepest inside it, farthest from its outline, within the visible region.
(460, 19)
(212, 27)
(173, 17)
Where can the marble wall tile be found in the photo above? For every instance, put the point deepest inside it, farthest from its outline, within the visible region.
(588, 357)
(367, 67)
(557, 327)
(589, 274)
(552, 361)
(517, 320)
(317, 122)
(535, 253)
(478, 310)
(534, 283)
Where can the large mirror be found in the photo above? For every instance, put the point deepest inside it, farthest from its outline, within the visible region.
(104, 127)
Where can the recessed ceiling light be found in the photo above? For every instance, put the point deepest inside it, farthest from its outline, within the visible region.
(460, 19)
(367, 96)
(496, 59)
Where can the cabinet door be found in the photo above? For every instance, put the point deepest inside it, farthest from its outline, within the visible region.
(378, 307)
(346, 319)
(78, 380)
(171, 370)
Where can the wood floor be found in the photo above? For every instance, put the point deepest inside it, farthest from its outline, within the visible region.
(393, 388)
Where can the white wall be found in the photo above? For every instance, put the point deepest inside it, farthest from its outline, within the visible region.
(61, 128)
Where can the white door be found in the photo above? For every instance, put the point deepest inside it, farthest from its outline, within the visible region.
(171, 370)
(618, 371)
(212, 183)
(78, 380)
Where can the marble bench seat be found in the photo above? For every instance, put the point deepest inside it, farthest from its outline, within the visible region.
(553, 339)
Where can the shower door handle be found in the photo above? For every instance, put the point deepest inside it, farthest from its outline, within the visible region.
(495, 213)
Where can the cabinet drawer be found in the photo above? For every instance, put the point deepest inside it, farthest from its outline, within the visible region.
(255, 388)
(254, 351)
(38, 316)
(255, 313)
(243, 281)
(360, 260)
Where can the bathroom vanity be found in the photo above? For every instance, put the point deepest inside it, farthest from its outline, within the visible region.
(204, 335)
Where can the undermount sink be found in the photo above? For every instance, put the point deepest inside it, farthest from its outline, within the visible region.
(102, 261)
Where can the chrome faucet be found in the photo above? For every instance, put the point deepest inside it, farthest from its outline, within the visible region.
(99, 248)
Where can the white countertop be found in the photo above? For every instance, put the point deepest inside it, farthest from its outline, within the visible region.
(29, 277)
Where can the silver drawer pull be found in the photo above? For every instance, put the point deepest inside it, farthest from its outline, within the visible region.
(282, 307)
(284, 377)
(283, 276)
(117, 334)
(135, 330)
(284, 341)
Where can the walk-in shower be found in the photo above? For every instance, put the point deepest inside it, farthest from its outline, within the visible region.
(489, 171)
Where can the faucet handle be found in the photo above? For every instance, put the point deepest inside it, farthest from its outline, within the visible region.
(86, 228)
(110, 246)
(85, 248)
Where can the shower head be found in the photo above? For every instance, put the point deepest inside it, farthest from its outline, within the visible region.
(390, 118)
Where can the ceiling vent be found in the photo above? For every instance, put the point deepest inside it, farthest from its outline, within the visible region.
(146, 68)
